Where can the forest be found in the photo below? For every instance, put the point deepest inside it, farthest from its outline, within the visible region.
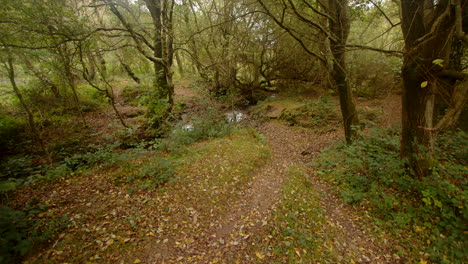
(233, 131)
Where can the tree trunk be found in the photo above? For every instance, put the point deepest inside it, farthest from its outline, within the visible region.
(417, 142)
(37, 135)
(180, 66)
(129, 71)
(340, 26)
(428, 29)
(168, 14)
(44, 79)
(163, 50)
(161, 83)
(67, 68)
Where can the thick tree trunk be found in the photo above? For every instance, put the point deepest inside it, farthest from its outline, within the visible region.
(340, 26)
(161, 83)
(417, 142)
(428, 30)
(162, 50)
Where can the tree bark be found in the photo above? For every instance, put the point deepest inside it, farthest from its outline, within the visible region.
(428, 29)
(163, 43)
(161, 83)
(163, 87)
(65, 59)
(339, 26)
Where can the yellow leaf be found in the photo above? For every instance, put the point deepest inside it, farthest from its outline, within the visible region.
(137, 261)
(259, 255)
(424, 84)
(423, 262)
(438, 62)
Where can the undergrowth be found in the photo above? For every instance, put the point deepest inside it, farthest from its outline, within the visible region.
(21, 230)
(428, 215)
(207, 125)
(317, 113)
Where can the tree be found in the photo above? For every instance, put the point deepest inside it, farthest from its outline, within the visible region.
(160, 52)
(8, 65)
(314, 16)
(428, 28)
(340, 24)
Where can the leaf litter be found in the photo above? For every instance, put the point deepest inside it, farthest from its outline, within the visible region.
(222, 211)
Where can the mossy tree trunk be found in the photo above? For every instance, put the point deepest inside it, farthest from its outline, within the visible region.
(161, 67)
(339, 26)
(428, 30)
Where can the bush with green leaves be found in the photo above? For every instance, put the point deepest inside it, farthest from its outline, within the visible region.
(16, 167)
(154, 174)
(9, 129)
(370, 172)
(132, 95)
(21, 230)
(103, 156)
(318, 113)
(13, 171)
(209, 124)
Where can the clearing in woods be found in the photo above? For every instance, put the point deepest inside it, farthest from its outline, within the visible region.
(249, 197)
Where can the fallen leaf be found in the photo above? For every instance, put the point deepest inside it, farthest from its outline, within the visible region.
(259, 255)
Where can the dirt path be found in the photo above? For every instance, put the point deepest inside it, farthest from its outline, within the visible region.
(244, 225)
(229, 238)
(210, 216)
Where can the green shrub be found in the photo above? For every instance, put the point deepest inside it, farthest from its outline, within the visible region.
(318, 113)
(370, 172)
(154, 173)
(104, 157)
(66, 147)
(209, 124)
(131, 95)
(21, 230)
(9, 129)
(16, 167)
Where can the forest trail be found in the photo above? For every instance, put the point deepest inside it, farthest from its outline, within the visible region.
(223, 208)
(234, 236)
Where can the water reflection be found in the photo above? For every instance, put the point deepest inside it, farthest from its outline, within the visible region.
(235, 116)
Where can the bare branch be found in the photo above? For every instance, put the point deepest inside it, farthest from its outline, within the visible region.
(317, 11)
(395, 53)
(280, 24)
(311, 23)
(383, 13)
(133, 34)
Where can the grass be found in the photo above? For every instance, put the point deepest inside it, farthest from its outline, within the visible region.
(297, 234)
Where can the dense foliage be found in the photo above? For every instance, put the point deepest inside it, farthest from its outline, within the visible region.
(371, 173)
